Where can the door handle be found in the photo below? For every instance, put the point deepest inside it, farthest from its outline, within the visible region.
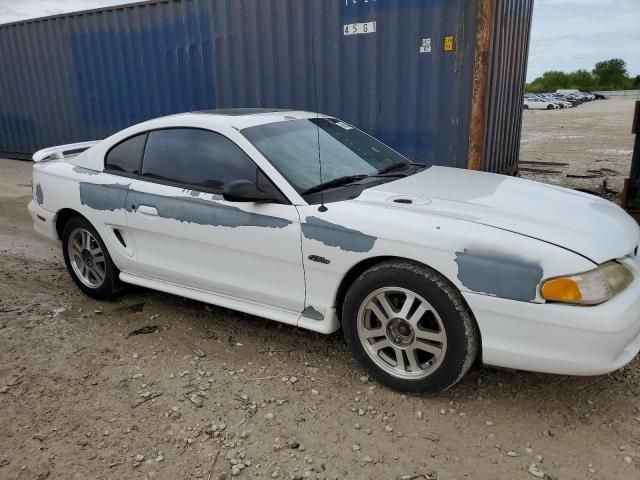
(147, 210)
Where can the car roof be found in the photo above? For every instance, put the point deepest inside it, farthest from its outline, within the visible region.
(241, 111)
(241, 118)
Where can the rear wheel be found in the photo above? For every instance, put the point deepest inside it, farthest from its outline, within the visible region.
(550, 107)
(409, 328)
(88, 260)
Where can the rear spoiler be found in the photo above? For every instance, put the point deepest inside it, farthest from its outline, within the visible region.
(57, 153)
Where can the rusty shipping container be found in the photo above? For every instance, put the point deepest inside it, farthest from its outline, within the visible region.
(439, 80)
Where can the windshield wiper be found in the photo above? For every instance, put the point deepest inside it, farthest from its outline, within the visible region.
(389, 171)
(393, 167)
(337, 182)
(397, 166)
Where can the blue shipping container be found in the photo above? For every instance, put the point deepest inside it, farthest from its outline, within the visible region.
(439, 80)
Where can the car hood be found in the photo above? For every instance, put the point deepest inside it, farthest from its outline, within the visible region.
(583, 223)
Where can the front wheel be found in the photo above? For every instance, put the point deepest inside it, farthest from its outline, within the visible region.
(88, 260)
(409, 328)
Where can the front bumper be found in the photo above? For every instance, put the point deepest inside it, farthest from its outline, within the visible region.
(43, 221)
(561, 339)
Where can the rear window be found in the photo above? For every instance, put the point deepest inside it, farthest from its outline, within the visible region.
(126, 156)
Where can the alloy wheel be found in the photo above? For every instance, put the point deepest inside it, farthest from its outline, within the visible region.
(402, 333)
(87, 258)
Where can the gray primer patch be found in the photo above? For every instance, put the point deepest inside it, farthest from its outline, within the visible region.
(196, 193)
(193, 193)
(337, 236)
(39, 194)
(312, 314)
(203, 212)
(103, 197)
(183, 209)
(504, 276)
(85, 171)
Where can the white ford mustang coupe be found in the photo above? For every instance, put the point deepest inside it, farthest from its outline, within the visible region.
(426, 269)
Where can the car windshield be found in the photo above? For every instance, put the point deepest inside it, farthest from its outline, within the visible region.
(292, 148)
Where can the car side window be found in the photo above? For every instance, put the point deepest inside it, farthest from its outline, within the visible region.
(195, 158)
(126, 156)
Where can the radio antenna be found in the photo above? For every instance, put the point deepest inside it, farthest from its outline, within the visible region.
(322, 207)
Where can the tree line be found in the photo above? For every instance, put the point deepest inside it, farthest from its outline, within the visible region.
(607, 75)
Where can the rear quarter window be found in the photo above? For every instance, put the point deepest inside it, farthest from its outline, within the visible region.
(126, 156)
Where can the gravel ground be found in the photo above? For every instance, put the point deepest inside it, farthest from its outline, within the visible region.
(215, 393)
(580, 147)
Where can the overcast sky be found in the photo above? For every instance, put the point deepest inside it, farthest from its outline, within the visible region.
(572, 34)
(567, 34)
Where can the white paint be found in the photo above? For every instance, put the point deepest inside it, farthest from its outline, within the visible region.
(239, 262)
(589, 225)
(44, 227)
(252, 308)
(267, 271)
(58, 152)
(561, 339)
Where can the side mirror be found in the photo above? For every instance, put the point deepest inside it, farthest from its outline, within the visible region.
(246, 191)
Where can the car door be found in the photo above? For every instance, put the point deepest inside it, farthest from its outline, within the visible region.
(187, 234)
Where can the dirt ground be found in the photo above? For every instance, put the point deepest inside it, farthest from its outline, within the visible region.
(280, 402)
(580, 147)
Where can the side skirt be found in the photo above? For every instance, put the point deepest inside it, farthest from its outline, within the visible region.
(260, 310)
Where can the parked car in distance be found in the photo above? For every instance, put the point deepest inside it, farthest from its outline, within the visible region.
(539, 104)
(572, 91)
(542, 97)
(568, 91)
(425, 269)
(568, 98)
(563, 98)
(555, 98)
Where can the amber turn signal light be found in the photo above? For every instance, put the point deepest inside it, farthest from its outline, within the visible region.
(562, 290)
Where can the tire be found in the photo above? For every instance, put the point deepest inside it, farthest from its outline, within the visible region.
(526, 107)
(439, 321)
(550, 107)
(88, 260)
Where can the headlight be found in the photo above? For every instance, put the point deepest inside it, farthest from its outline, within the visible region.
(589, 288)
